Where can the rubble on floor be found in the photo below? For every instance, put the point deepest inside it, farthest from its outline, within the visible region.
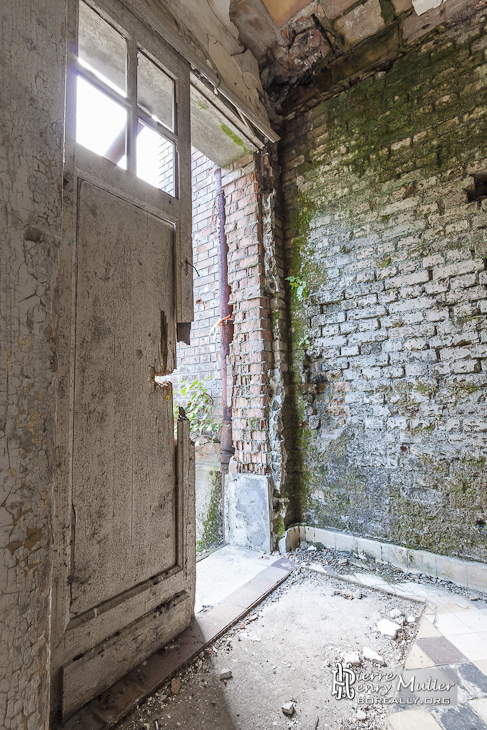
(281, 659)
(282, 654)
(347, 563)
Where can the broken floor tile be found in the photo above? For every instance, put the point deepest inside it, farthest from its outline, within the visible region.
(461, 717)
(440, 650)
(471, 681)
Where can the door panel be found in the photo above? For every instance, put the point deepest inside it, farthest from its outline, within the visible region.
(124, 574)
(100, 667)
(124, 483)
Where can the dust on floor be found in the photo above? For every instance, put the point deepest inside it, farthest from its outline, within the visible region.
(286, 652)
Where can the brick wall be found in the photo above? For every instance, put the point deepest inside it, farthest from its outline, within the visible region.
(390, 342)
(251, 347)
(254, 282)
(259, 348)
(258, 356)
(201, 359)
(258, 365)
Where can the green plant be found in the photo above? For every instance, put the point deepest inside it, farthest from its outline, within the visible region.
(299, 286)
(198, 405)
(304, 342)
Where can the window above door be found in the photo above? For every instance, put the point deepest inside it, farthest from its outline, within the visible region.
(126, 102)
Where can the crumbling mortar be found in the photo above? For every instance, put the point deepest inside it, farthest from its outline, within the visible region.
(426, 423)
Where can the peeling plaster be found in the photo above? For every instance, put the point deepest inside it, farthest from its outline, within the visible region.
(244, 82)
(422, 6)
(207, 27)
(32, 60)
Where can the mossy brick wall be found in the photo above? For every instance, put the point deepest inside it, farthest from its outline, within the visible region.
(390, 344)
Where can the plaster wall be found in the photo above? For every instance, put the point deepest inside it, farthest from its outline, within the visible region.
(32, 63)
(248, 511)
(206, 27)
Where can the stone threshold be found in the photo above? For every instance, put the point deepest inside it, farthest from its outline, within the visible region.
(207, 553)
(464, 573)
(106, 710)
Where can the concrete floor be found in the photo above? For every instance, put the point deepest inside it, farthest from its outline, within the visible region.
(287, 648)
(284, 651)
(226, 570)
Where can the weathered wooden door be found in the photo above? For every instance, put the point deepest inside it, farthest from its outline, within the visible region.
(124, 522)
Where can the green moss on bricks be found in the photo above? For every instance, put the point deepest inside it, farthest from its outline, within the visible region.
(279, 528)
(422, 428)
(417, 526)
(235, 138)
(302, 262)
(301, 217)
(212, 526)
(421, 124)
(405, 109)
(330, 485)
(459, 391)
(428, 389)
(307, 165)
(387, 11)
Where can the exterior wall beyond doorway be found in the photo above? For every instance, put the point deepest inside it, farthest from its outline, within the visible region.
(254, 495)
(257, 353)
(200, 361)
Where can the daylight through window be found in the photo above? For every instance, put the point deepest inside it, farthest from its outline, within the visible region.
(128, 118)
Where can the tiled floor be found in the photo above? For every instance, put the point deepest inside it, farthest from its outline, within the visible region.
(453, 639)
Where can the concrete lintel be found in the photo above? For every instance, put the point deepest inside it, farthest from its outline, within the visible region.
(214, 134)
(468, 574)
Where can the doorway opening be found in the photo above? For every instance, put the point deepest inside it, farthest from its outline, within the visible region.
(198, 384)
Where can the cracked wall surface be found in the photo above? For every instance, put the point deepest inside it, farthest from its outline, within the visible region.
(32, 59)
(312, 42)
